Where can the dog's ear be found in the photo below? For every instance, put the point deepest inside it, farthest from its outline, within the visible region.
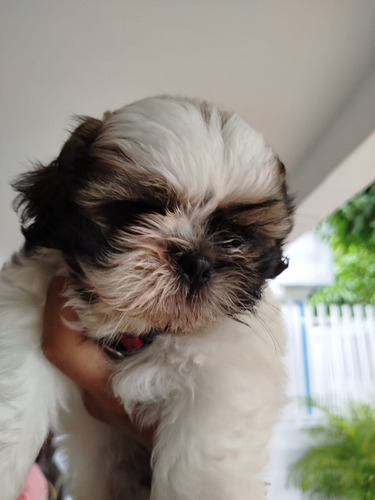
(274, 262)
(50, 214)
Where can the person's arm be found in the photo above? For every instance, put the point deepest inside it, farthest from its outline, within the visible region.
(84, 361)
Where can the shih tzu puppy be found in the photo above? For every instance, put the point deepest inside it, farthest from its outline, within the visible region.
(167, 216)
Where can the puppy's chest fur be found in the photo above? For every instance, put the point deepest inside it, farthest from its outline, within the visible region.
(184, 384)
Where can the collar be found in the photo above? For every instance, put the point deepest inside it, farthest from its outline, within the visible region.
(129, 343)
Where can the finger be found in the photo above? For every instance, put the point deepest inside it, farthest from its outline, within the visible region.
(112, 412)
(78, 357)
(106, 408)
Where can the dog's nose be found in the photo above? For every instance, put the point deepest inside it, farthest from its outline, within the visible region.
(196, 267)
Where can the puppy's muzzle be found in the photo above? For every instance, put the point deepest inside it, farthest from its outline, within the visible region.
(196, 269)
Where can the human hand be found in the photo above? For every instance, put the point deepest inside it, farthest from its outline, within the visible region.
(83, 361)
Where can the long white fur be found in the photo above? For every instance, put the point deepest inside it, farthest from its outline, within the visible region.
(219, 391)
(215, 392)
(231, 161)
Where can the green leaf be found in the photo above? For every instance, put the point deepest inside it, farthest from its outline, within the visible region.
(340, 463)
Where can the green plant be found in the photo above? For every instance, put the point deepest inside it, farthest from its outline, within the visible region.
(350, 232)
(341, 462)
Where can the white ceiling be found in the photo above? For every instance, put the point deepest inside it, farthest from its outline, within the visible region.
(302, 72)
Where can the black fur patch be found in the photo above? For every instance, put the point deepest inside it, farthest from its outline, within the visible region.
(50, 215)
(242, 227)
(122, 213)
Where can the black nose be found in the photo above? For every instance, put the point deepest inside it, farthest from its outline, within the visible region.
(196, 267)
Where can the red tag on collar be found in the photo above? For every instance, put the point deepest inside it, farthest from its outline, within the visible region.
(130, 342)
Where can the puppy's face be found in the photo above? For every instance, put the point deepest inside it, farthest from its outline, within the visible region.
(169, 214)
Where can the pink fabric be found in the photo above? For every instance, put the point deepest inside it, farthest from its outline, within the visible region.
(36, 487)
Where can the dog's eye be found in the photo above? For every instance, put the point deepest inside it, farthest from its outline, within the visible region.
(124, 212)
(229, 239)
(232, 242)
(142, 207)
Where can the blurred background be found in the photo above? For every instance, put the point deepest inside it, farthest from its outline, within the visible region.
(302, 73)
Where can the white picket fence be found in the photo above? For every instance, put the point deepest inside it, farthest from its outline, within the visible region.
(330, 356)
